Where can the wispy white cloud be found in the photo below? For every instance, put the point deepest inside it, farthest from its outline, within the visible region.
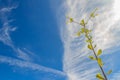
(21, 53)
(116, 76)
(6, 39)
(7, 29)
(106, 31)
(7, 9)
(29, 65)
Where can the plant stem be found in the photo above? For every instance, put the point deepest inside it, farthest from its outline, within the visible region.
(95, 55)
(103, 73)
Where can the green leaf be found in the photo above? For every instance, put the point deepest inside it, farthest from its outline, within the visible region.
(82, 30)
(71, 20)
(89, 41)
(90, 47)
(87, 31)
(82, 22)
(78, 33)
(100, 62)
(109, 72)
(92, 58)
(93, 13)
(99, 52)
(100, 77)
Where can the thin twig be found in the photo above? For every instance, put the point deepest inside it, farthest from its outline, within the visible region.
(96, 56)
(105, 77)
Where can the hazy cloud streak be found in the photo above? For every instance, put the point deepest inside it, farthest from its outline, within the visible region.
(105, 28)
(29, 65)
(7, 29)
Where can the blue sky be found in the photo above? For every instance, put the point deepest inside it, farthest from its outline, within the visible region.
(29, 33)
(36, 43)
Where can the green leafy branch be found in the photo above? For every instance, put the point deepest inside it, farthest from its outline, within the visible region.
(96, 55)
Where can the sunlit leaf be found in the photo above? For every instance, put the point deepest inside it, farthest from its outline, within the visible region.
(78, 33)
(82, 22)
(100, 62)
(90, 47)
(87, 31)
(109, 72)
(92, 58)
(83, 30)
(89, 40)
(99, 52)
(93, 13)
(100, 77)
(70, 20)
